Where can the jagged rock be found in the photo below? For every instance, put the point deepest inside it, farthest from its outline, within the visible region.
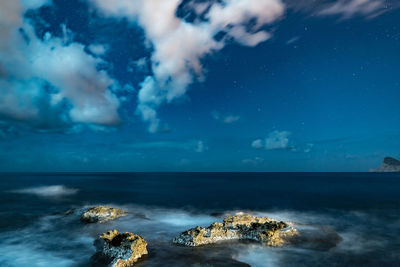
(239, 227)
(102, 214)
(389, 165)
(122, 249)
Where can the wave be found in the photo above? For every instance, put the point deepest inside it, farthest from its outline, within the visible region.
(62, 240)
(48, 191)
(25, 255)
(52, 240)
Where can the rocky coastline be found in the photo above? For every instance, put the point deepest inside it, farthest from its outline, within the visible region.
(126, 249)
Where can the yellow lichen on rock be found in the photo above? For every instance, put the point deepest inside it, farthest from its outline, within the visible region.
(124, 249)
(102, 214)
(109, 236)
(239, 227)
(244, 219)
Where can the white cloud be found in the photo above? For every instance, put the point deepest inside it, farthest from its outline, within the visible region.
(140, 65)
(97, 49)
(231, 118)
(345, 9)
(279, 140)
(228, 118)
(201, 147)
(350, 8)
(29, 68)
(275, 140)
(259, 143)
(180, 45)
(74, 73)
(293, 40)
(308, 148)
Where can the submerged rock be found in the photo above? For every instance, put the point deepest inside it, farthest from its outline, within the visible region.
(239, 227)
(102, 214)
(389, 165)
(122, 249)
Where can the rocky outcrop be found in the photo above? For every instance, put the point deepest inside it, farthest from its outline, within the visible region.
(239, 227)
(389, 165)
(102, 214)
(122, 249)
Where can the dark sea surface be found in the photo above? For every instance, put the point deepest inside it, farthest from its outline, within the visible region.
(363, 208)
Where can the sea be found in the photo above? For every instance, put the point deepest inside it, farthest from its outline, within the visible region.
(348, 219)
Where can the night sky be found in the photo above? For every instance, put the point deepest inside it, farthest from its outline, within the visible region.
(218, 85)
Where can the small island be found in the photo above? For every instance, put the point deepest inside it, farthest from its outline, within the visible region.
(389, 164)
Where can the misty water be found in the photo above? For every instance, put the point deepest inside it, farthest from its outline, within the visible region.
(36, 228)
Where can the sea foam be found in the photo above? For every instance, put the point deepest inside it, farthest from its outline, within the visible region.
(48, 191)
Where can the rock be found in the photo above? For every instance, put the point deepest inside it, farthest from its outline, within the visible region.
(389, 165)
(239, 227)
(122, 249)
(102, 214)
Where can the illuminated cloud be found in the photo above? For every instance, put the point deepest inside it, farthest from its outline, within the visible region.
(50, 81)
(345, 9)
(349, 8)
(274, 141)
(201, 147)
(228, 119)
(179, 45)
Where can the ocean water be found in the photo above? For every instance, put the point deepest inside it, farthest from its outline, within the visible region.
(362, 208)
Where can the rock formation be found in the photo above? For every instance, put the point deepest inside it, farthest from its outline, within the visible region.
(239, 227)
(122, 249)
(102, 214)
(389, 165)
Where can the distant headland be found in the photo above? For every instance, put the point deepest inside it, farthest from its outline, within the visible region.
(389, 164)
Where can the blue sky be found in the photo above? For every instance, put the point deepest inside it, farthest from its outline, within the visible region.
(227, 85)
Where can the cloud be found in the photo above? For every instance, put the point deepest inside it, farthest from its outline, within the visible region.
(274, 141)
(138, 65)
(231, 118)
(279, 140)
(345, 9)
(74, 73)
(308, 148)
(259, 143)
(179, 45)
(225, 118)
(50, 82)
(350, 8)
(198, 146)
(97, 49)
(201, 147)
(293, 40)
(253, 161)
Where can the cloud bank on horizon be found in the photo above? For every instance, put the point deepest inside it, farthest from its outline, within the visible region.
(52, 82)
